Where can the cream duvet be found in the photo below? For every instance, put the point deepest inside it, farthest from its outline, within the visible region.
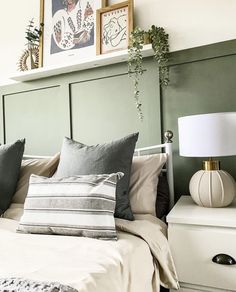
(137, 262)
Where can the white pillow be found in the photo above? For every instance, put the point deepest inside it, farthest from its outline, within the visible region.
(145, 171)
(80, 205)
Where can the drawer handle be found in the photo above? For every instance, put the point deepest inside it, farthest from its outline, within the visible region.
(223, 259)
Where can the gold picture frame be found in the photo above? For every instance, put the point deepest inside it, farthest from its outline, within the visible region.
(41, 19)
(69, 33)
(104, 3)
(114, 25)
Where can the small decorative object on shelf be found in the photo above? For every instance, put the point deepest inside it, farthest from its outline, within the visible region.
(30, 57)
(160, 45)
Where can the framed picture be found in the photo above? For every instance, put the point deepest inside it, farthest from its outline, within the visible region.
(114, 24)
(69, 32)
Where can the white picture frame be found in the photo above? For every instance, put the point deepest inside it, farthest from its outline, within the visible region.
(69, 31)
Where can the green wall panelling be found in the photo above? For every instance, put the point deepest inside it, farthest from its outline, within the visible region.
(103, 109)
(41, 116)
(42, 108)
(202, 80)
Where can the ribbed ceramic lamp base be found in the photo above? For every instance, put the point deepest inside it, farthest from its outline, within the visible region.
(214, 188)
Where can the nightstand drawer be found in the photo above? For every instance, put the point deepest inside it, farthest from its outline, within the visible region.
(193, 248)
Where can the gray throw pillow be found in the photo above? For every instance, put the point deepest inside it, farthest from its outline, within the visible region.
(79, 159)
(10, 164)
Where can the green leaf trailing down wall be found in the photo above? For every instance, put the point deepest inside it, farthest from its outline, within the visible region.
(160, 44)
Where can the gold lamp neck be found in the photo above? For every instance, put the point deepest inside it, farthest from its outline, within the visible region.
(211, 165)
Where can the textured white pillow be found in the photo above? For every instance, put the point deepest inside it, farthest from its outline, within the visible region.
(145, 171)
(78, 205)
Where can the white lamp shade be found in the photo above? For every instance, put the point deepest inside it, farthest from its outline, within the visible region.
(207, 135)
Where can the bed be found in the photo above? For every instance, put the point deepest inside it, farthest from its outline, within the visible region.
(140, 260)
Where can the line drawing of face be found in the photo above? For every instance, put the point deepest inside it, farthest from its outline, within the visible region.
(115, 30)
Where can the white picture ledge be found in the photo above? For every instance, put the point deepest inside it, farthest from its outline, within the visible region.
(97, 61)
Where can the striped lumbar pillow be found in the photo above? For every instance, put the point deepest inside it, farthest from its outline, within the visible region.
(80, 205)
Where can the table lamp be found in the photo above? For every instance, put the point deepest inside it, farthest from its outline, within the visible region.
(209, 135)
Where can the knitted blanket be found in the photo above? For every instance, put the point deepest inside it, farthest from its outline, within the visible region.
(25, 285)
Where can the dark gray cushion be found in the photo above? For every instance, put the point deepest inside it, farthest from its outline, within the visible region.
(163, 197)
(79, 159)
(10, 163)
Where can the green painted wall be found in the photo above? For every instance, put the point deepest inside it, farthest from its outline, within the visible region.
(43, 123)
(91, 106)
(203, 80)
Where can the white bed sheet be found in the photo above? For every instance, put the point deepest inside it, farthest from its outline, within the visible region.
(89, 265)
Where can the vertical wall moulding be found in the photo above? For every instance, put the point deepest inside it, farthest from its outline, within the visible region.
(70, 110)
(3, 120)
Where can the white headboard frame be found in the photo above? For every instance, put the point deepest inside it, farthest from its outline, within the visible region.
(35, 157)
(167, 148)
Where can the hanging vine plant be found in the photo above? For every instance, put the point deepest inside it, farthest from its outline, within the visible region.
(160, 45)
(135, 64)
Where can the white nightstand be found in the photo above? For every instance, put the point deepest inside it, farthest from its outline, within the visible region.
(196, 235)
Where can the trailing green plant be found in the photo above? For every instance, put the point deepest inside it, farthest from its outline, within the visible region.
(160, 45)
(135, 64)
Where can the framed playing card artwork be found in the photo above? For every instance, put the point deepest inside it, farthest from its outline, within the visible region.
(114, 24)
(69, 31)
